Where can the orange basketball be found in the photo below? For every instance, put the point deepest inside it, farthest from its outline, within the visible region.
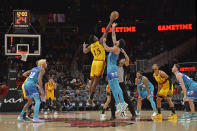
(114, 14)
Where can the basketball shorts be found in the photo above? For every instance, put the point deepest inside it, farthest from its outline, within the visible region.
(97, 68)
(113, 74)
(144, 93)
(50, 94)
(165, 90)
(192, 92)
(108, 91)
(30, 89)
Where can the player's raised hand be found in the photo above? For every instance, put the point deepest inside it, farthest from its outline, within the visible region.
(84, 44)
(114, 25)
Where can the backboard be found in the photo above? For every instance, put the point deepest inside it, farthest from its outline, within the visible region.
(29, 43)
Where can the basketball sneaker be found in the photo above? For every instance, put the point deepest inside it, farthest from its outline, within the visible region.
(102, 117)
(154, 113)
(138, 112)
(55, 113)
(193, 116)
(172, 117)
(124, 106)
(118, 108)
(185, 117)
(20, 119)
(90, 102)
(26, 119)
(36, 120)
(157, 117)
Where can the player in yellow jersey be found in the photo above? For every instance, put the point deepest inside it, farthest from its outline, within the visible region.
(165, 89)
(98, 63)
(50, 87)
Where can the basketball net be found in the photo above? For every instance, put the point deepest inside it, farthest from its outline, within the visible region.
(23, 55)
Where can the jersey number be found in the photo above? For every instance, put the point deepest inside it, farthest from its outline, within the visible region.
(97, 52)
(32, 74)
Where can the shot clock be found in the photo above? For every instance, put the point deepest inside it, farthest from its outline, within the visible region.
(21, 18)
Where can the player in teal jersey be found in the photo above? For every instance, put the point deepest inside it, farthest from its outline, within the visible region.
(33, 86)
(112, 70)
(189, 88)
(145, 89)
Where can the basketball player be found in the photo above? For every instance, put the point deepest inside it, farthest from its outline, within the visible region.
(50, 87)
(98, 63)
(123, 62)
(31, 86)
(165, 89)
(112, 70)
(108, 92)
(189, 88)
(145, 89)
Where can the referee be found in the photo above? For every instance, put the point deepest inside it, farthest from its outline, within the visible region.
(122, 62)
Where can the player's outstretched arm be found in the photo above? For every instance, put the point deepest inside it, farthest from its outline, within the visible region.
(86, 48)
(41, 74)
(107, 48)
(126, 57)
(26, 74)
(107, 30)
(113, 33)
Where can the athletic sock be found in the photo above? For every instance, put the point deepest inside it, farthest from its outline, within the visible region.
(159, 110)
(138, 111)
(173, 110)
(22, 113)
(91, 96)
(103, 111)
(37, 105)
(187, 106)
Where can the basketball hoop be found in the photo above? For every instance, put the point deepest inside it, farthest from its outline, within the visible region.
(23, 55)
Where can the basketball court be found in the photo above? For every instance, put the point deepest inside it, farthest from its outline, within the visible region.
(89, 120)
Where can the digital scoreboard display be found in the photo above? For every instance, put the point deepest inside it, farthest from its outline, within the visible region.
(21, 18)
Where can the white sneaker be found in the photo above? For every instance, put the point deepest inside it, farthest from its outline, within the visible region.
(123, 115)
(20, 118)
(124, 106)
(118, 108)
(55, 113)
(138, 114)
(154, 114)
(102, 117)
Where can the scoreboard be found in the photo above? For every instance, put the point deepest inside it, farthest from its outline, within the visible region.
(21, 18)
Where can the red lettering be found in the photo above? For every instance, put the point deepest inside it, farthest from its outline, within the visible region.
(159, 27)
(187, 69)
(172, 27)
(103, 29)
(121, 28)
(133, 29)
(116, 29)
(163, 28)
(190, 26)
(168, 27)
(128, 29)
(184, 26)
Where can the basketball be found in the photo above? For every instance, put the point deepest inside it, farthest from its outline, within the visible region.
(114, 14)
